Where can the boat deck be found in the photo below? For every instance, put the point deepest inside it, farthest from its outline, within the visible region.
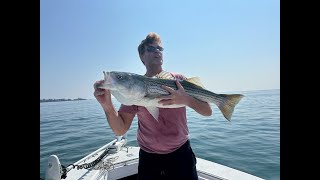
(115, 166)
(122, 163)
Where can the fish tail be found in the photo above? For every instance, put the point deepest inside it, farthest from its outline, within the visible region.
(228, 104)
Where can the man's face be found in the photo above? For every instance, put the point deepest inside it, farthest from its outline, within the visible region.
(152, 55)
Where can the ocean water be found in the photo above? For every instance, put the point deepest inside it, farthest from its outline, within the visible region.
(250, 142)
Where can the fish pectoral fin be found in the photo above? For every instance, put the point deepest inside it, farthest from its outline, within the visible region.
(196, 81)
(154, 111)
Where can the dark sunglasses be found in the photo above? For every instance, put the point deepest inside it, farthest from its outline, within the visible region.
(154, 49)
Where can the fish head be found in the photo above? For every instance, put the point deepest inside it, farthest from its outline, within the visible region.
(127, 84)
(108, 82)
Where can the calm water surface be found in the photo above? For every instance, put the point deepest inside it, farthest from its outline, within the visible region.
(250, 142)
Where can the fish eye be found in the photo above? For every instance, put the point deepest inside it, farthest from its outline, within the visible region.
(119, 77)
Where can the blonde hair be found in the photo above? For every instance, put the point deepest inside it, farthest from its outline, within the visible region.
(151, 37)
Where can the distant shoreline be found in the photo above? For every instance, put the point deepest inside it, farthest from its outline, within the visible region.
(60, 100)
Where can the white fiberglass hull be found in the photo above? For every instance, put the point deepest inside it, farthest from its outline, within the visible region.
(122, 161)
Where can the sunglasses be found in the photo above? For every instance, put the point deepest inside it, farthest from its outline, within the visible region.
(154, 49)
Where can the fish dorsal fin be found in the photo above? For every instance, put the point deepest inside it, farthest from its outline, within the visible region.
(165, 75)
(196, 81)
(154, 111)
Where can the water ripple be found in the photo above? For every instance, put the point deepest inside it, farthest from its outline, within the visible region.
(250, 142)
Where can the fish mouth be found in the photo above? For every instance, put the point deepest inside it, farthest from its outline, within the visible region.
(108, 82)
(107, 77)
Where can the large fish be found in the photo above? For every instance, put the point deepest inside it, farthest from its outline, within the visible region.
(134, 89)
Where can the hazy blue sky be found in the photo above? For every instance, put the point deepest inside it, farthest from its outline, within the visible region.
(231, 45)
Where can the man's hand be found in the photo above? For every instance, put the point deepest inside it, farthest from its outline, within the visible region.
(102, 95)
(178, 96)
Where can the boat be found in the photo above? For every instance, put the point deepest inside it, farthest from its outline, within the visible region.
(115, 160)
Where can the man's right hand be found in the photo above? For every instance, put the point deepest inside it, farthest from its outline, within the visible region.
(102, 95)
(119, 122)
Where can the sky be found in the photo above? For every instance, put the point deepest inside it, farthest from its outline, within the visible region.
(230, 45)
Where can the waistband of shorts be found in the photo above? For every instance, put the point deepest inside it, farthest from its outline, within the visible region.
(185, 147)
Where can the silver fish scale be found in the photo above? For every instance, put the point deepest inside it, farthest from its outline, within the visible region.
(154, 89)
(200, 93)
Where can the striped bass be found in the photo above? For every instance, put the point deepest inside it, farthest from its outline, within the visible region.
(134, 89)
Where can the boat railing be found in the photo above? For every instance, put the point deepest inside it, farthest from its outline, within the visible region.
(119, 141)
(55, 169)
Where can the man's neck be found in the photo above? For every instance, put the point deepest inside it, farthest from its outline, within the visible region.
(153, 71)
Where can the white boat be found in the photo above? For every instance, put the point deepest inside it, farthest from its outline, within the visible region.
(115, 160)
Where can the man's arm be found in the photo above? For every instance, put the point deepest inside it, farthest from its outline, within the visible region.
(119, 122)
(179, 96)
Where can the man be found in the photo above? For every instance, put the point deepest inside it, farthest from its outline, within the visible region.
(165, 151)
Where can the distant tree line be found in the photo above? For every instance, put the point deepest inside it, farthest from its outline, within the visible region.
(56, 100)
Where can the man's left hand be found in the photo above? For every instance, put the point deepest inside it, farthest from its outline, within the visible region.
(178, 96)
